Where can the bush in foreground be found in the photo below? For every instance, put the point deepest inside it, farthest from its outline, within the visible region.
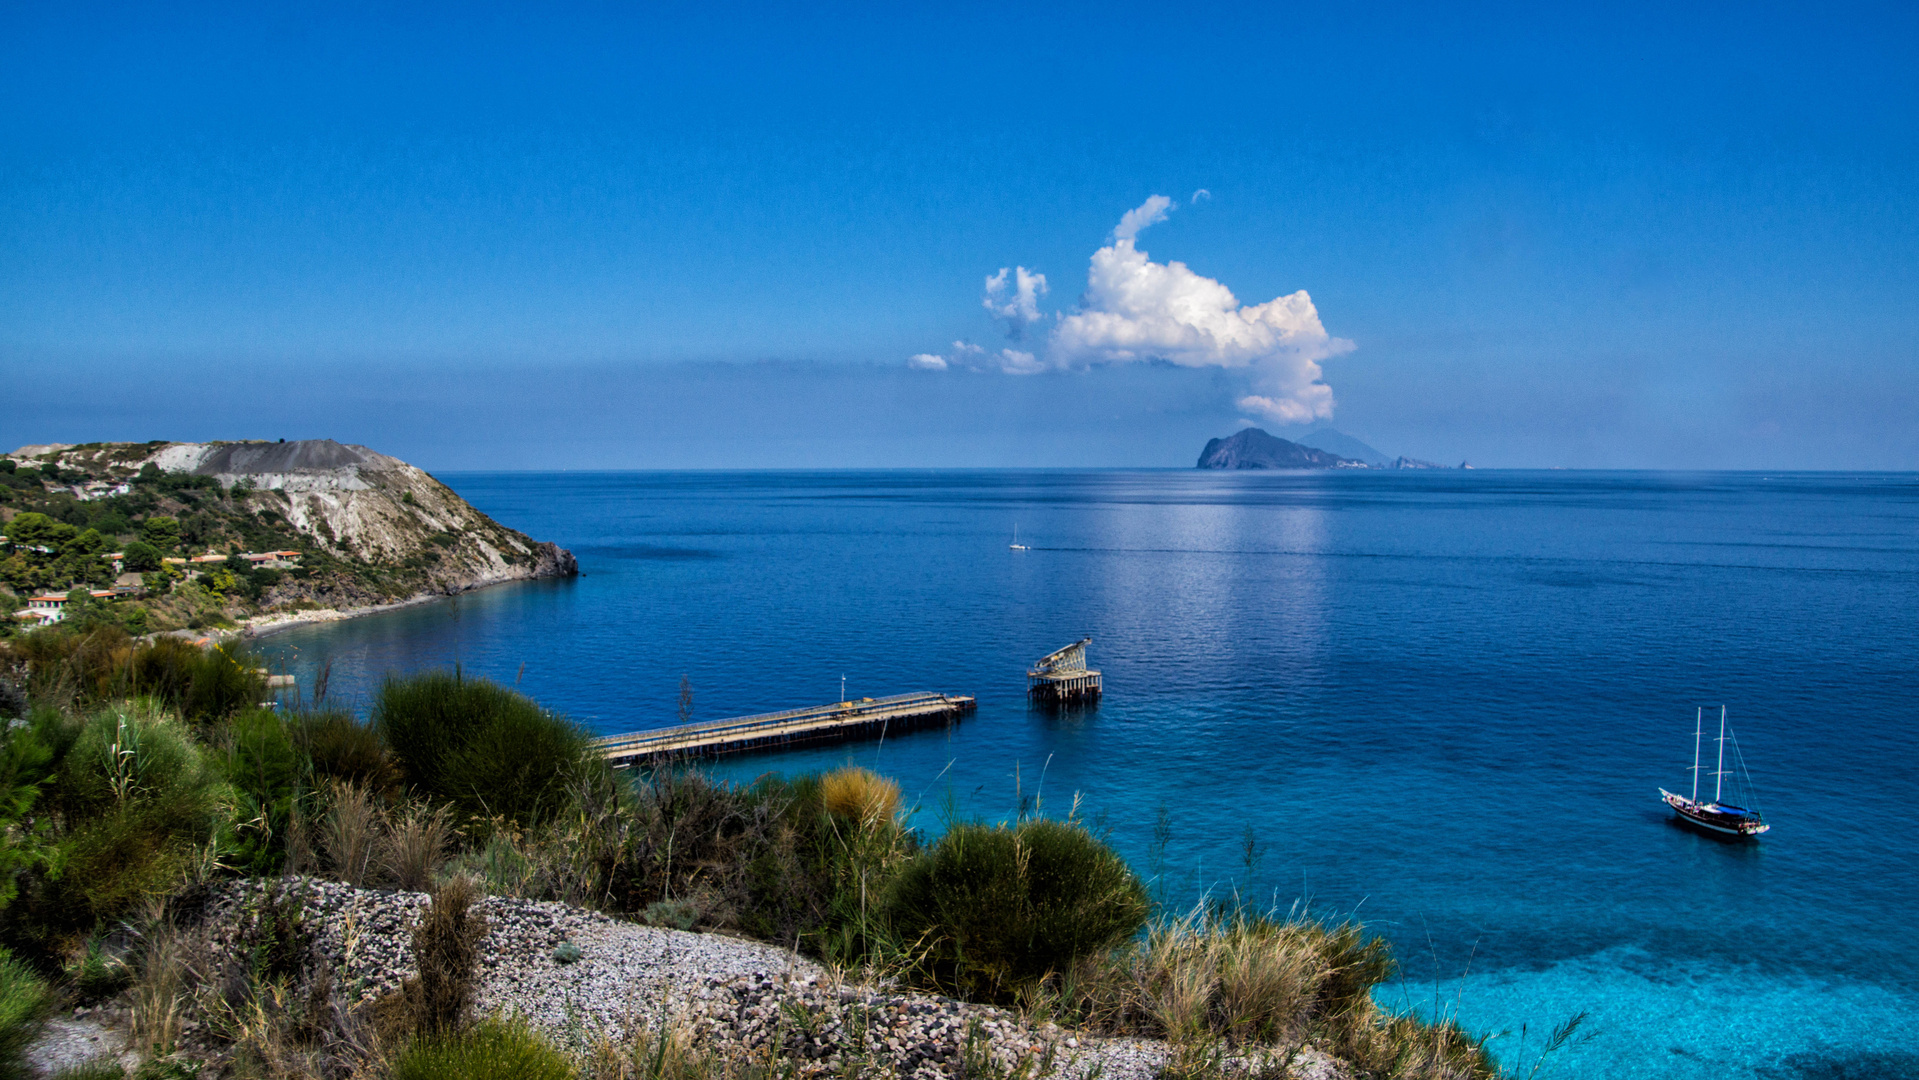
(859, 795)
(474, 743)
(990, 911)
(138, 803)
(264, 768)
(339, 747)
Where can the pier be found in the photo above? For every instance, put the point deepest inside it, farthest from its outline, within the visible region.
(1062, 677)
(858, 719)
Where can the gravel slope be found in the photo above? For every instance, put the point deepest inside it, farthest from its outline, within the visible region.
(729, 993)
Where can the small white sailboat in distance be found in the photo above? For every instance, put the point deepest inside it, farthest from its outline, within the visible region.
(1715, 815)
(1016, 545)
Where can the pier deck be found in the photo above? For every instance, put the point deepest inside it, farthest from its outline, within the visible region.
(862, 718)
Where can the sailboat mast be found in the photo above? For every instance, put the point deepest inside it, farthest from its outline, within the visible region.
(1719, 774)
(1698, 730)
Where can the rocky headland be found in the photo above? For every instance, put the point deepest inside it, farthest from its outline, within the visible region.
(370, 531)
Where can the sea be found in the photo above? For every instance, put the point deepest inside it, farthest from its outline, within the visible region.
(1442, 703)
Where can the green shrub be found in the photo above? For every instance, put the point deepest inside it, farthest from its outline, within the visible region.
(835, 846)
(490, 1051)
(686, 836)
(202, 685)
(107, 866)
(68, 667)
(339, 747)
(671, 914)
(992, 911)
(25, 765)
(84, 666)
(137, 802)
(479, 745)
(679, 848)
(128, 755)
(264, 769)
(25, 1004)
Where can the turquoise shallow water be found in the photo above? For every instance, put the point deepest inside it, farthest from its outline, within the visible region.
(1442, 701)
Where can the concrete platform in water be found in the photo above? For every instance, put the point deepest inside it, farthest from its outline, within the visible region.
(1061, 677)
(862, 718)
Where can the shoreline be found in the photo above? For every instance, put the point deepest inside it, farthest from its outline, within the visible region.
(257, 626)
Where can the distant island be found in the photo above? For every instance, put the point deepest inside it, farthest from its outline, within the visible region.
(169, 535)
(1254, 448)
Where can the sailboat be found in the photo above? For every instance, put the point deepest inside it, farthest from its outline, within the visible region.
(1718, 816)
(1016, 545)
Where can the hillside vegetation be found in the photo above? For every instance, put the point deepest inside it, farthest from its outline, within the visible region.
(367, 529)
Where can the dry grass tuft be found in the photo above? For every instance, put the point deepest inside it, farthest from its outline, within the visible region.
(349, 832)
(1405, 1046)
(446, 947)
(157, 1003)
(648, 1055)
(1247, 979)
(1217, 984)
(414, 846)
(860, 795)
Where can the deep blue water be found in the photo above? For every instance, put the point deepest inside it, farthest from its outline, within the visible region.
(1443, 701)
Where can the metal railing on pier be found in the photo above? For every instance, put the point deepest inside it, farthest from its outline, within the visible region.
(864, 717)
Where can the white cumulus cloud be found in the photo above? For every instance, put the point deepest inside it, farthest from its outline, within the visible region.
(1019, 309)
(1151, 212)
(1015, 362)
(1136, 309)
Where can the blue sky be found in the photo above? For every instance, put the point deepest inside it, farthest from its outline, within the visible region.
(623, 237)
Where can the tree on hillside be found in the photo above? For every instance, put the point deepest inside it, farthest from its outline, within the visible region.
(38, 530)
(161, 531)
(89, 542)
(140, 557)
(198, 529)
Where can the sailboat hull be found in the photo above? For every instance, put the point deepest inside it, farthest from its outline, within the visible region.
(1708, 816)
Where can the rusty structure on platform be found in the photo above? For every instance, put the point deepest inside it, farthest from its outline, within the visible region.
(1062, 677)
